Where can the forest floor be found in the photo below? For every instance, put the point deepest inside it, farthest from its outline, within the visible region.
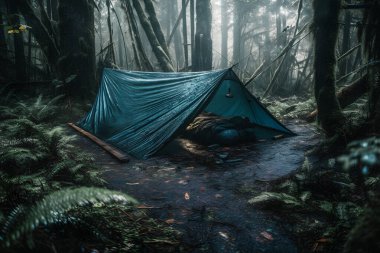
(203, 191)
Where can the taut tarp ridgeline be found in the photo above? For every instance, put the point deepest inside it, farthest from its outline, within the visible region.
(139, 112)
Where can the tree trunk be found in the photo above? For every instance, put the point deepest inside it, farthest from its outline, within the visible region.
(178, 48)
(192, 28)
(77, 43)
(149, 8)
(237, 32)
(326, 13)
(3, 42)
(141, 59)
(120, 49)
(110, 32)
(184, 34)
(54, 10)
(18, 42)
(343, 66)
(29, 55)
(162, 58)
(224, 34)
(203, 42)
(46, 20)
(40, 32)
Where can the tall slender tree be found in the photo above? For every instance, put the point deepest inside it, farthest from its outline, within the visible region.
(77, 44)
(3, 42)
(224, 35)
(18, 42)
(162, 58)
(184, 33)
(237, 31)
(203, 43)
(140, 56)
(48, 44)
(325, 28)
(111, 49)
(178, 48)
(149, 7)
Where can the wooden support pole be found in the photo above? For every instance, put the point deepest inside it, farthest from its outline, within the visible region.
(112, 150)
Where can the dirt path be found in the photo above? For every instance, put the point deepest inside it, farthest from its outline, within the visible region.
(203, 191)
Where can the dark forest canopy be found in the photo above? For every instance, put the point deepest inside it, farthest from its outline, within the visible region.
(312, 60)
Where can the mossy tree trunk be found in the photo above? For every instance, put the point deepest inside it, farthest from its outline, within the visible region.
(203, 43)
(77, 44)
(325, 28)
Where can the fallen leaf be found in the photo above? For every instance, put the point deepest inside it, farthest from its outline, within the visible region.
(146, 207)
(183, 182)
(266, 235)
(172, 221)
(224, 235)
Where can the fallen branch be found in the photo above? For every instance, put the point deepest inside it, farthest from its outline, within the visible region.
(113, 151)
(346, 95)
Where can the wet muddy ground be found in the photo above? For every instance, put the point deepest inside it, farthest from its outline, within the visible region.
(203, 191)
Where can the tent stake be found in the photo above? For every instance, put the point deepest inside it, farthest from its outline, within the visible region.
(113, 151)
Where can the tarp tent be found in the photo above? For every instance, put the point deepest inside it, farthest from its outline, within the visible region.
(140, 112)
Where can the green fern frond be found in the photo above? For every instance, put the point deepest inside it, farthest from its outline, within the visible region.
(7, 112)
(21, 157)
(56, 142)
(11, 221)
(20, 128)
(53, 207)
(60, 167)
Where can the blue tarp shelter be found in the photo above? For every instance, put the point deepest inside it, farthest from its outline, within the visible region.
(140, 112)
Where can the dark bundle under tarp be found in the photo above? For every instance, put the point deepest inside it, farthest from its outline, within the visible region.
(140, 112)
(209, 128)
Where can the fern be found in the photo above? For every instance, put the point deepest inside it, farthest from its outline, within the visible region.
(20, 157)
(19, 128)
(40, 111)
(52, 208)
(56, 143)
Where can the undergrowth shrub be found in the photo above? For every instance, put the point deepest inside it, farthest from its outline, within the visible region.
(47, 189)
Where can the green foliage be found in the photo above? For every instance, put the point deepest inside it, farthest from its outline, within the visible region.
(38, 111)
(127, 229)
(52, 208)
(39, 168)
(290, 108)
(329, 200)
